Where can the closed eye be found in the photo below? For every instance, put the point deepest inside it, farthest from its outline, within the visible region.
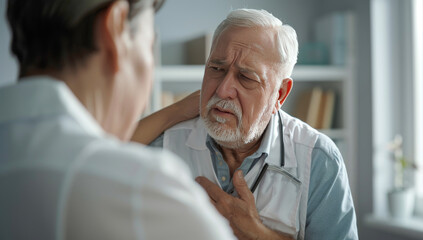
(247, 78)
(247, 82)
(217, 69)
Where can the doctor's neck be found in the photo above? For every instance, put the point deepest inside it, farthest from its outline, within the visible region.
(93, 87)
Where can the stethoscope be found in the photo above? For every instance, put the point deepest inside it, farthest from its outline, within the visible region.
(266, 165)
(281, 141)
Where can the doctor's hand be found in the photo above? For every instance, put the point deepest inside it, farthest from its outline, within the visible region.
(150, 127)
(188, 107)
(241, 212)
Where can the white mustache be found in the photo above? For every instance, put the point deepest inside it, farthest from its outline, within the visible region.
(226, 105)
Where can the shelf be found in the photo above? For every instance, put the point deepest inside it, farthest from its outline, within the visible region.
(194, 73)
(336, 134)
(318, 73)
(412, 227)
(180, 73)
(171, 77)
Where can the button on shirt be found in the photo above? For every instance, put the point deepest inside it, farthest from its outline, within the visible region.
(221, 168)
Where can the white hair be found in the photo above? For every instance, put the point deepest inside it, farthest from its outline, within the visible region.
(286, 35)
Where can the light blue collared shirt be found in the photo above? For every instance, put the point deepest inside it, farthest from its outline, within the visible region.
(221, 168)
(329, 201)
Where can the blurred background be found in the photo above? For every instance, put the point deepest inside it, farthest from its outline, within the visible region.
(359, 79)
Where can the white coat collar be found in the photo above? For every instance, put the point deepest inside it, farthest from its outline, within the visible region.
(42, 96)
(273, 133)
(197, 137)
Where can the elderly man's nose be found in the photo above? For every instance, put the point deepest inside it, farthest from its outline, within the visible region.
(227, 87)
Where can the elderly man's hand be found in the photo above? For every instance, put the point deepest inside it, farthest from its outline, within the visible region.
(241, 212)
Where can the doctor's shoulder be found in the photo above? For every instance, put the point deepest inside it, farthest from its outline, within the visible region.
(157, 187)
(134, 159)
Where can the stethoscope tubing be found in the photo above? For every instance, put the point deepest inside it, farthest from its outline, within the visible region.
(281, 141)
(266, 165)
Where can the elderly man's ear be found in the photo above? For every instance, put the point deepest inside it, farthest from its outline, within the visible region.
(283, 92)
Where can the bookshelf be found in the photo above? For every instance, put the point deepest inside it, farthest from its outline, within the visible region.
(187, 78)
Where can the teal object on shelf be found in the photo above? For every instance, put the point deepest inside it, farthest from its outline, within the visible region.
(313, 53)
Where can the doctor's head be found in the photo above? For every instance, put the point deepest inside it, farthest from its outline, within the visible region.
(247, 76)
(102, 49)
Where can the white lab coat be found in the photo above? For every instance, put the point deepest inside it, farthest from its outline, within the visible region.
(281, 197)
(62, 177)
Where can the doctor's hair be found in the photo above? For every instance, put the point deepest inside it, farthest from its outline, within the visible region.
(286, 35)
(54, 34)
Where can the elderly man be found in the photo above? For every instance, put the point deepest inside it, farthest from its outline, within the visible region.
(299, 185)
(66, 171)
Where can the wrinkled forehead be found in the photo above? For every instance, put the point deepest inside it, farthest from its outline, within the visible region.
(261, 42)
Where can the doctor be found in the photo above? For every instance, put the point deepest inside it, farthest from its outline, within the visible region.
(67, 170)
(241, 134)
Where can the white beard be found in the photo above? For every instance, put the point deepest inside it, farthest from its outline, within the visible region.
(229, 137)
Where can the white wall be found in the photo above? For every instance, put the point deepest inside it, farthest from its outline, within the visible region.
(364, 112)
(8, 67)
(204, 15)
(182, 20)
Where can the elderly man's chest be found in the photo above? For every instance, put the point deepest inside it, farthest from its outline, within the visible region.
(278, 194)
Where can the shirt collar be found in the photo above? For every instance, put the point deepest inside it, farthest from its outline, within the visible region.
(42, 96)
(198, 135)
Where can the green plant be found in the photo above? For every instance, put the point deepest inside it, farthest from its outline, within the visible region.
(400, 162)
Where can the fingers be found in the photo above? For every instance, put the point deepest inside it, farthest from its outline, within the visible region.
(241, 187)
(220, 199)
(214, 192)
(191, 104)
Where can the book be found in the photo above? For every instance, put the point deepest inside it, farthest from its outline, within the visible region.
(166, 99)
(169, 97)
(327, 106)
(198, 49)
(308, 106)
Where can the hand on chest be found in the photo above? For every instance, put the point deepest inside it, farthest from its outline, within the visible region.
(276, 200)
